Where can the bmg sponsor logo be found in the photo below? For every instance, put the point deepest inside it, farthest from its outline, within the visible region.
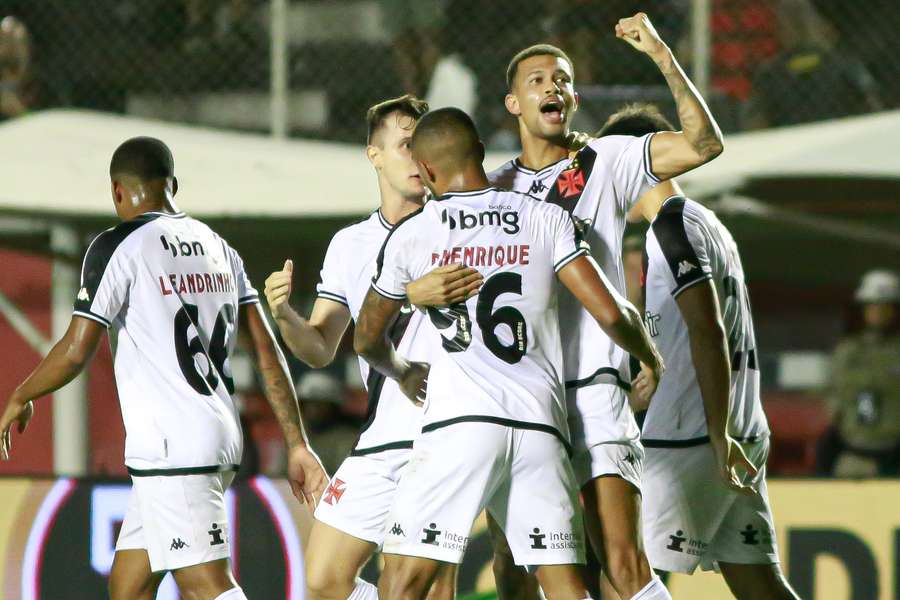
(508, 220)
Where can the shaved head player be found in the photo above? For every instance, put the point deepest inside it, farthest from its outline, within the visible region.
(172, 294)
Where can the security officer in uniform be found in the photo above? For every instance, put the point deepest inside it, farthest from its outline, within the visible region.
(864, 390)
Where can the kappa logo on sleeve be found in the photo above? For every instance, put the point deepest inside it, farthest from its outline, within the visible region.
(685, 267)
(83, 295)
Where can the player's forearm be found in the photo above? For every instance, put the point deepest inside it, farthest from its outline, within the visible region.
(629, 333)
(304, 340)
(61, 365)
(282, 398)
(698, 125)
(381, 355)
(709, 353)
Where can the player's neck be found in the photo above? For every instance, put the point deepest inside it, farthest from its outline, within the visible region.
(395, 206)
(469, 179)
(538, 153)
(166, 206)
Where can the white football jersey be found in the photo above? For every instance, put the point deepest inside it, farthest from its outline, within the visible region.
(503, 358)
(392, 420)
(597, 187)
(687, 244)
(168, 288)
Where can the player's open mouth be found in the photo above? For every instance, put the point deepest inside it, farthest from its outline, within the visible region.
(553, 109)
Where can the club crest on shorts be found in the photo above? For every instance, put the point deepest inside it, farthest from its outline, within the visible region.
(334, 491)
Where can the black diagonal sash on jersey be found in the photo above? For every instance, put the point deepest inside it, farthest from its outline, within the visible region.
(570, 183)
(375, 382)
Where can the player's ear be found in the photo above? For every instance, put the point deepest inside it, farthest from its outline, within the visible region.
(174, 185)
(373, 153)
(512, 105)
(425, 171)
(577, 101)
(116, 191)
(481, 151)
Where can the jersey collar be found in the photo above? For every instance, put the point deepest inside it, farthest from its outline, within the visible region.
(468, 193)
(178, 215)
(520, 167)
(383, 220)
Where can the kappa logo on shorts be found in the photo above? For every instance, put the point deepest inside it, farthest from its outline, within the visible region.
(537, 539)
(334, 491)
(431, 535)
(630, 459)
(750, 535)
(178, 544)
(676, 541)
(397, 530)
(216, 535)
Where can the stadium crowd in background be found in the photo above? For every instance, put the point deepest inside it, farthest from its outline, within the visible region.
(772, 63)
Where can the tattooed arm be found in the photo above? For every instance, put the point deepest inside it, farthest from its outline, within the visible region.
(370, 341)
(700, 141)
(305, 472)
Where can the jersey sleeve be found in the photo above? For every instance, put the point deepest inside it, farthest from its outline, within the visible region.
(331, 284)
(628, 163)
(682, 245)
(247, 294)
(106, 276)
(568, 240)
(391, 270)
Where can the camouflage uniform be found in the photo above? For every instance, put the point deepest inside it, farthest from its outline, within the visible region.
(864, 397)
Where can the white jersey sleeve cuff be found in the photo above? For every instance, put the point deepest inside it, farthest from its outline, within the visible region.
(92, 317)
(569, 258)
(677, 291)
(387, 294)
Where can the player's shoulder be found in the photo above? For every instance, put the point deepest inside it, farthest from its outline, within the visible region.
(676, 222)
(505, 175)
(108, 242)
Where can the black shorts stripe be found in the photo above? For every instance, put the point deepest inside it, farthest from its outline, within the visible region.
(504, 422)
(591, 379)
(691, 442)
(205, 470)
(406, 445)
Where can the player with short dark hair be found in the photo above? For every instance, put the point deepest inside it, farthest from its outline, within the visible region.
(705, 433)
(172, 293)
(494, 432)
(597, 184)
(350, 519)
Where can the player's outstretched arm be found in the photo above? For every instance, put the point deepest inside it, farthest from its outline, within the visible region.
(699, 307)
(305, 471)
(62, 364)
(615, 315)
(314, 340)
(444, 286)
(371, 342)
(700, 141)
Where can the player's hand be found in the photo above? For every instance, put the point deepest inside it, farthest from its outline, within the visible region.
(639, 32)
(736, 469)
(278, 289)
(644, 386)
(306, 475)
(15, 413)
(444, 286)
(414, 382)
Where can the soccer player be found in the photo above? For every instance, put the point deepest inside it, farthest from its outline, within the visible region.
(597, 185)
(350, 519)
(494, 432)
(172, 293)
(705, 433)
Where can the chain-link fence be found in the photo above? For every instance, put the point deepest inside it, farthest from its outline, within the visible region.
(311, 67)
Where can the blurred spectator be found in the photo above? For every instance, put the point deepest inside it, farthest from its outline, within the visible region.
(414, 27)
(864, 391)
(16, 84)
(331, 434)
(809, 80)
